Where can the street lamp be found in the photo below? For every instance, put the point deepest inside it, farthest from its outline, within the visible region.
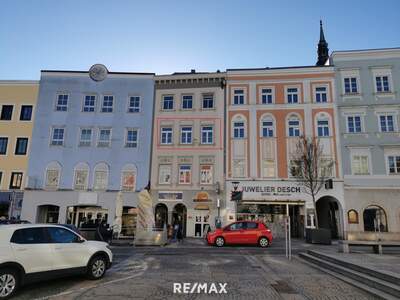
(218, 222)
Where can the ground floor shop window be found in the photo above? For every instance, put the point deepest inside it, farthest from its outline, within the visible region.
(375, 219)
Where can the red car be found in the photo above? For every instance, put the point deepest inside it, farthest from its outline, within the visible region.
(241, 232)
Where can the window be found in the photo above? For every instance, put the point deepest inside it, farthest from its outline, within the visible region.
(251, 225)
(239, 168)
(187, 102)
(238, 130)
(237, 226)
(354, 124)
(206, 174)
(386, 123)
(131, 138)
(186, 135)
(268, 168)
(267, 127)
(16, 180)
(294, 126)
(208, 101)
(6, 112)
(108, 102)
(81, 175)
(104, 138)
(134, 104)
(352, 216)
(164, 174)
(295, 168)
(207, 133)
(323, 128)
(166, 135)
(382, 84)
(292, 95)
(52, 179)
(359, 164)
(36, 235)
(100, 177)
(3, 145)
(85, 139)
(375, 219)
(394, 164)
(129, 178)
(57, 136)
(26, 113)
(89, 103)
(350, 85)
(238, 97)
(266, 96)
(168, 103)
(62, 102)
(185, 174)
(21, 146)
(1, 176)
(62, 236)
(321, 94)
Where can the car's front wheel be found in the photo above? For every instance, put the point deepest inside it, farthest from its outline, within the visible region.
(9, 282)
(219, 241)
(263, 242)
(97, 267)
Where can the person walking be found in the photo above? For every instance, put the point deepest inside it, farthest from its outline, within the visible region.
(180, 234)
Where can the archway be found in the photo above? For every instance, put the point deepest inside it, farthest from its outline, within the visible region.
(179, 216)
(161, 215)
(129, 216)
(47, 214)
(375, 219)
(329, 214)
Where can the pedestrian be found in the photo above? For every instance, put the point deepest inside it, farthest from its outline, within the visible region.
(180, 233)
(176, 229)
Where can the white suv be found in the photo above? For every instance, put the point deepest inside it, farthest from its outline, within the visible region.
(36, 252)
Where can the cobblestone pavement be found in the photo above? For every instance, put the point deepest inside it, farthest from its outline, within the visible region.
(249, 272)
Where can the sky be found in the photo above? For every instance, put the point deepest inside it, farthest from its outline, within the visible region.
(167, 36)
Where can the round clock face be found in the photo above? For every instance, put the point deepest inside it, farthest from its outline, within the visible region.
(98, 72)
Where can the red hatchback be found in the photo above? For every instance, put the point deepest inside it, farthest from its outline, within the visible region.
(241, 232)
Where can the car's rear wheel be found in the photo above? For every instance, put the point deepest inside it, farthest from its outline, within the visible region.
(263, 242)
(9, 282)
(219, 241)
(97, 267)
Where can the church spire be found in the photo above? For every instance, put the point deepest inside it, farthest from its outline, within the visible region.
(323, 50)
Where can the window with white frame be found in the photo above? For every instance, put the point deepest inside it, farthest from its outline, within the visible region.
(266, 96)
(89, 103)
(100, 177)
(131, 139)
(208, 101)
(187, 101)
(62, 102)
(350, 85)
(186, 135)
(382, 84)
(393, 164)
(207, 134)
(85, 137)
(267, 125)
(323, 127)
(52, 180)
(128, 178)
(134, 104)
(185, 174)
(104, 138)
(268, 168)
(360, 161)
(108, 103)
(387, 122)
(292, 95)
(81, 175)
(354, 124)
(321, 94)
(239, 168)
(168, 102)
(166, 135)
(164, 174)
(294, 126)
(57, 136)
(238, 130)
(206, 174)
(238, 96)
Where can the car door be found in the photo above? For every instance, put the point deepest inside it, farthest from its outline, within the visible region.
(69, 249)
(234, 233)
(251, 233)
(32, 249)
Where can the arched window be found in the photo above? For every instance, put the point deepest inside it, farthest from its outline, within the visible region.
(53, 171)
(323, 129)
(239, 129)
(129, 178)
(293, 126)
(375, 219)
(352, 216)
(267, 127)
(81, 176)
(100, 177)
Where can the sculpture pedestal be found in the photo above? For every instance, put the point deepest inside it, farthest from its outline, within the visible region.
(151, 238)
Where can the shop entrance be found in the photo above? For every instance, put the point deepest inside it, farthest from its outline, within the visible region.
(201, 220)
(179, 216)
(86, 216)
(47, 214)
(161, 215)
(329, 212)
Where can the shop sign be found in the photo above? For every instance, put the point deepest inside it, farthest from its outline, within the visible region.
(202, 197)
(170, 196)
(87, 198)
(271, 191)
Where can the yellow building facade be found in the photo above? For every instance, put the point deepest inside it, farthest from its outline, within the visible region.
(17, 107)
